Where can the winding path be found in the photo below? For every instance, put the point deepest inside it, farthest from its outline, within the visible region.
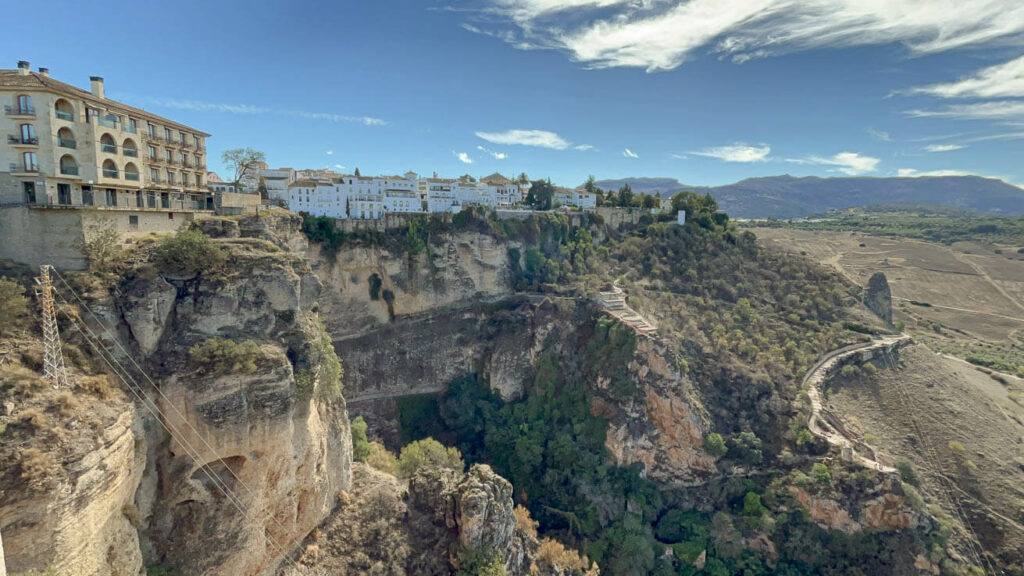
(814, 377)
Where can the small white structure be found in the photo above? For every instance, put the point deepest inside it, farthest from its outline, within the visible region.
(277, 182)
(681, 217)
(578, 198)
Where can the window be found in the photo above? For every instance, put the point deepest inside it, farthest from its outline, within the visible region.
(28, 134)
(87, 198)
(25, 104)
(152, 152)
(168, 155)
(131, 125)
(181, 138)
(184, 178)
(154, 175)
(167, 134)
(170, 177)
(111, 197)
(30, 192)
(64, 194)
(165, 200)
(199, 180)
(195, 141)
(138, 198)
(133, 222)
(151, 130)
(170, 215)
(29, 159)
(151, 200)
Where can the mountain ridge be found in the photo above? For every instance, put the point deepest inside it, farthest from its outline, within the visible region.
(789, 196)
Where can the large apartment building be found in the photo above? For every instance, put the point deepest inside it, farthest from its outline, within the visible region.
(66, 149)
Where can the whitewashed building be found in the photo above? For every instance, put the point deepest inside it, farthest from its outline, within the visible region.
(578, 198)
(366, 206)
(318, 198)
(277, 181)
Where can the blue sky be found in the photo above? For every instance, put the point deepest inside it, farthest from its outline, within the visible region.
(706, 91)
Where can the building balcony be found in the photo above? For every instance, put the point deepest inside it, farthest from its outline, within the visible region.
(131, 176)
(61, 115)
(20, 111)
(154, 160)
(22, 141)
(173, 162)
(69, 170)
(22, 169)
(131, 152)
(67, 143)
(128, 128)
(108, 148)
(107, 123)
(110, 174)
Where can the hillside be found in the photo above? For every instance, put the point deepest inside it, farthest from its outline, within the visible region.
(790, 197)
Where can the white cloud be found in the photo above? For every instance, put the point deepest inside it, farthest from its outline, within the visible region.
(583, 147)
(849, 163)
(662, 34)
(248, 109)
(942, 147)
(912, 173)
(339, 167)
(736, 153)
(629, 153)
(539, 138)
(329, 152)
(495, 155)
(880, 135)
(1004, 80)
(997, 110)
(463, 157)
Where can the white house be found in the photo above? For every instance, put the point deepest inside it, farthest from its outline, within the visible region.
(579, 198)
(404, 201)
(277, 181)
(366, 206)
(318, 198)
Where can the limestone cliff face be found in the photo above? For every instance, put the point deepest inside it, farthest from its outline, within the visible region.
(282, 452)
(883, 509)
(82, 524)
(460, 267)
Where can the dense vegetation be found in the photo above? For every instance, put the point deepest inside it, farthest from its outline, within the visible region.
(188, 254)
(922, 221)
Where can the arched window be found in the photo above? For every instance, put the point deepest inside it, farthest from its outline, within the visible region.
(107, 144)
(68, 165)
(66, 138)
(131, 172)
(129, 148)
(64, 110)
(109, 169)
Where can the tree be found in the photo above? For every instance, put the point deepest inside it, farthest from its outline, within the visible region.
(522, 179)
(590, 185)
(360, 445)
(820, 473)
(428, 453)
(357, 172)
(541, 194)
(626, 195)
(188, 254)
(243, 161)
(103, 247)
(714, 445)
(647, 202)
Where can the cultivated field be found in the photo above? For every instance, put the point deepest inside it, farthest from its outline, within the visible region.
(965, 299)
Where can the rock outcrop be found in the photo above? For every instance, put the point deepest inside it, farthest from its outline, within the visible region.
(878, 297)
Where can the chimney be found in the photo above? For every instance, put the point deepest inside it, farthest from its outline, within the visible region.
(23, 67)
(45, 72)
(96, 86)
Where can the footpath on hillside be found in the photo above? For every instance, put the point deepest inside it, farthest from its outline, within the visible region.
(820, 426)
(614, 303)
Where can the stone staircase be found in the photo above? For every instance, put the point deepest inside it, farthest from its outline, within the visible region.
(614, 303)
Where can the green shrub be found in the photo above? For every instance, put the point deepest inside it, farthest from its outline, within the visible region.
(381, 459)
(907, 472)
(13, 304)
(428, 453)
(820, 473)
(321, 230)
(360, 445)
(329, 367)
(714, 445)
(188, 254)
(480, 562)
(222, 356)
(752, 504)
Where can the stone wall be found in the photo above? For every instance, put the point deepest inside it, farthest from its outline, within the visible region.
(38, 236)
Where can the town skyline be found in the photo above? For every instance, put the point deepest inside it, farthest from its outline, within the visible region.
(611, 88)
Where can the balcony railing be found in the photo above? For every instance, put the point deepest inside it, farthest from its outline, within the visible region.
(110, 173)
(186, 164)
(130, 152)
(15, 167)
(154, 160)
(189, 145)
(156, 180)
(107, 123)
(133, 176)
(12, 139)
(66, 143)
(20, 110)
(64, 115)
(109, 148)
(172, 162)
(128, 128)
(69, 170)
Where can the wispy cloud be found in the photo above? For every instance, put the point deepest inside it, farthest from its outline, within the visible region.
(629, 153)
(248, 109)
(849, 163)
(879, 135)
(583, 147)
(538, 138)
(1004, 80)
(997, 110)
(495, 155)
(942, 147)
(339, 167)
(910, 172)
(736, 153)
(663, 34)
(329, 152)
(463, 157)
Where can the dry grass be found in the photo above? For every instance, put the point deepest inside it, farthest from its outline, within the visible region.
(554, 558)
(66, 404)
(381, 459)
(102, 386)
(524, 522)
(20, 382)
(39, 469)
(33, 417)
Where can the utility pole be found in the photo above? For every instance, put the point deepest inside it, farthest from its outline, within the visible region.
(53, 356)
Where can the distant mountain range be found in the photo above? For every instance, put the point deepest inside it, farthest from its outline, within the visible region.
(789, 197)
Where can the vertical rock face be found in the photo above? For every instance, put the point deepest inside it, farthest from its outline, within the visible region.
(878, 297)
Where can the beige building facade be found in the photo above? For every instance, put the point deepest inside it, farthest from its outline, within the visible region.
(64, 149)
